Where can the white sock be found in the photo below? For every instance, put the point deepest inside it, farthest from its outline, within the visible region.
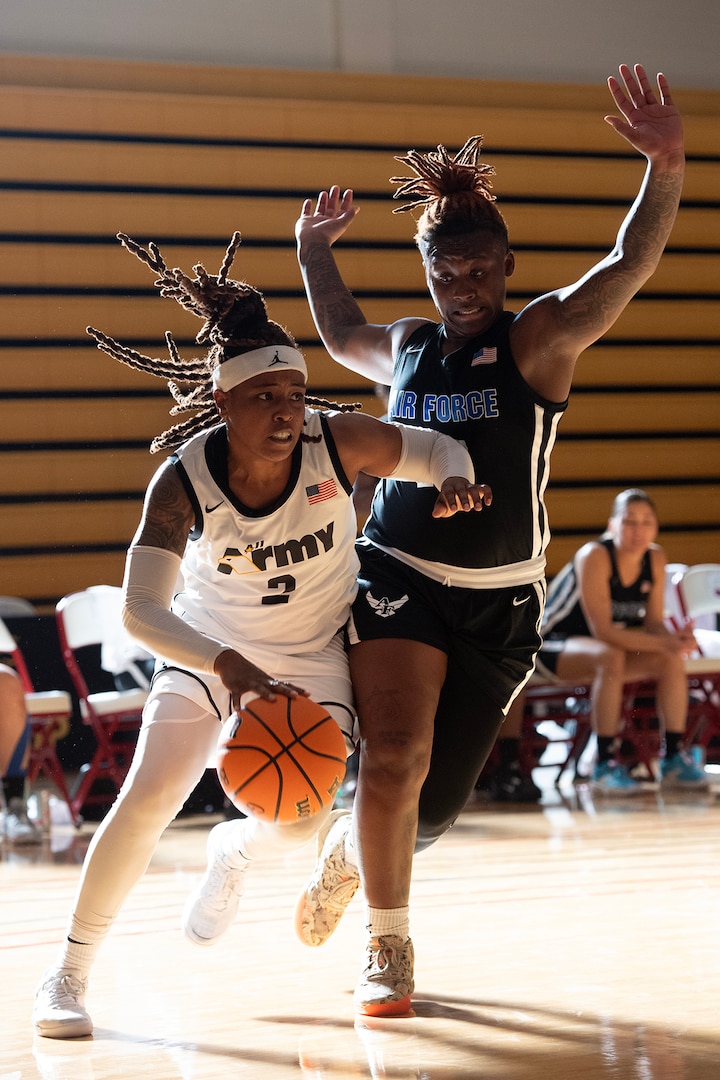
(77, 958)
(382, 922)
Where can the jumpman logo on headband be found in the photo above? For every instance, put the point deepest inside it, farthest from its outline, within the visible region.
(276, 360)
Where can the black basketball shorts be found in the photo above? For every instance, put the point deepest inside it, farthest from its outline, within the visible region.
(491, 635)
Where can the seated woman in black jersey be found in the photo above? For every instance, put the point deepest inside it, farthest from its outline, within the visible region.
(603, 624)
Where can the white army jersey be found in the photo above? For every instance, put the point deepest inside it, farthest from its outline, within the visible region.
(282, 577)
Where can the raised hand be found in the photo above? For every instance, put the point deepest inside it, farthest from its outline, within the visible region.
(332, 215)
(652, 124)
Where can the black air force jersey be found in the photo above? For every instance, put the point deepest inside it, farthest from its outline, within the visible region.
(564, 616)
(281, 577)
(478, 396)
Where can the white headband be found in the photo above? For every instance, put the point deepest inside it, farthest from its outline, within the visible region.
(239, 369)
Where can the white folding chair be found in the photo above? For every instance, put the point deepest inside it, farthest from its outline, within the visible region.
(673, 612)
(699, 590)
(84, 619)
(49, 713)
(699, 598)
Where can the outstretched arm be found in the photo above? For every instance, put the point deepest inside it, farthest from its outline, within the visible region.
(566, 321)
(410, 453)
(363, 347)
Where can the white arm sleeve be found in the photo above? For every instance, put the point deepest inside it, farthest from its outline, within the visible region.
(150, 583)
(428, 456)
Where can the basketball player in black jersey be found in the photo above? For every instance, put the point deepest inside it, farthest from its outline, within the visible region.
(446, 625)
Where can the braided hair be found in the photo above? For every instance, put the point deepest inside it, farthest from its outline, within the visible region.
(235, 321)
(455, 193)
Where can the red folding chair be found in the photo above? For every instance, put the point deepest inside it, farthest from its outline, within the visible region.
(49, 713)
(568, 706)
(84, 620)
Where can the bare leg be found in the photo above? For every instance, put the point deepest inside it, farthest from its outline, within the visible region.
(13, 716)
(588, 660)
(15, 734)
(397, 685)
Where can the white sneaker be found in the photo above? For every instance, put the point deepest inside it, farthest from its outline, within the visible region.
(59, 1011)
(17, 826)
(322, 902)
(387, 982)
(212, 907)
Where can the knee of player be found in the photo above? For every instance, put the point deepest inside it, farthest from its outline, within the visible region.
(393, 758)
(431, 828)
(152, 802)
(610, 660)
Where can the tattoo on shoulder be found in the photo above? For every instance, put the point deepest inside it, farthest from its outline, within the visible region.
(168, 514)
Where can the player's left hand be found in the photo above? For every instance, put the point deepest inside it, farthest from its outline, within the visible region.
(458, 495)
(652, 124)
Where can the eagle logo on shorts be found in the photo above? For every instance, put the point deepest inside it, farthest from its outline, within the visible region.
(386, 607)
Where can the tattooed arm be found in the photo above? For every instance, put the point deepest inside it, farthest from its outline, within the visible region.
(151, 574)
(552, 331)
(363, 347)
(167, 514)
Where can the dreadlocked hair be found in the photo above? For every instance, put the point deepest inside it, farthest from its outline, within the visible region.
(455, 193)
(235, 321)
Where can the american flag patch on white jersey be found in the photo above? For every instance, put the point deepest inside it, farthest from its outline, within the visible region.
(326, 489)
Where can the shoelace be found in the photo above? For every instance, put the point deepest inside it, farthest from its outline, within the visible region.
(225, 882)
(64, 993)
(383, 956)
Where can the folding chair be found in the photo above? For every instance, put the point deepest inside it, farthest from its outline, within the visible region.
(566, 705)
(698, 591)
(49, 713)
(83, 621)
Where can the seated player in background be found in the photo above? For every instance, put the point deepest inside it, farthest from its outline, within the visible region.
(604, 624)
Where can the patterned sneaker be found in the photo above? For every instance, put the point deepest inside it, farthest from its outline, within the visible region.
(212, 907)
(334, 882)
(387, 982)
(680, 771)
(613, 779)
(59, 1011)
(17, 826)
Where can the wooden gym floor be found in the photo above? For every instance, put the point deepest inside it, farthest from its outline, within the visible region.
(573, 940)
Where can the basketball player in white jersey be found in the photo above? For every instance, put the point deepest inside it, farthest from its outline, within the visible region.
(239, 580)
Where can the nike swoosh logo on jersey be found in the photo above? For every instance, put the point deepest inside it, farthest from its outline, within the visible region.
(209, 509)
(518, 600)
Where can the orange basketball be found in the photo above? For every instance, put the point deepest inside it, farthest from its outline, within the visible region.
(281, 760)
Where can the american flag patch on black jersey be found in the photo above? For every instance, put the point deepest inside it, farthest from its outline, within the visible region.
(326, 489)
(484, 356)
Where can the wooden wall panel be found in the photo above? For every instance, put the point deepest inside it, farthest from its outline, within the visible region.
(186, 156)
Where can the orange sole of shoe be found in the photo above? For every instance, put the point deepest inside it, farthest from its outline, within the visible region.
(395, 1009)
